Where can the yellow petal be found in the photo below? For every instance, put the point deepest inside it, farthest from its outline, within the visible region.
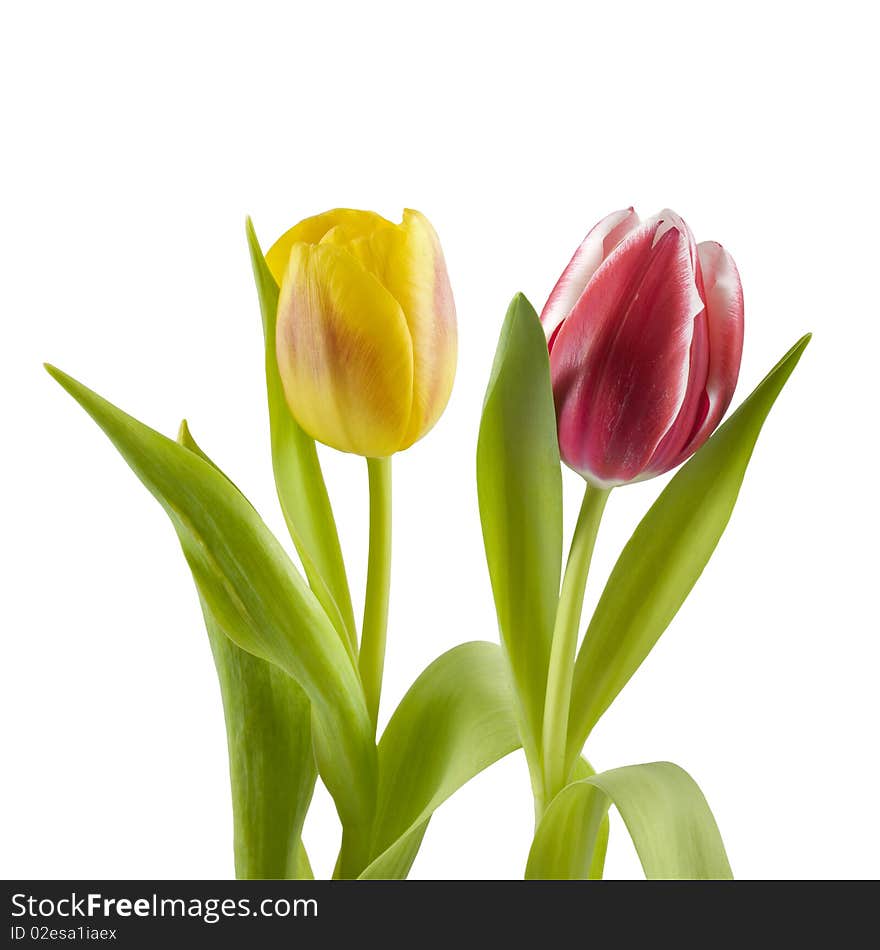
(344, 352)
(408, 260)
(312, 230)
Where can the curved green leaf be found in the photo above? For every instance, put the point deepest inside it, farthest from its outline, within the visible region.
(664, 811)
(596, 868)
(665, 556)
(455, 720)
(298, 476)
(572, 844)
(255, 594)
(271, 764)
(519, 482)
(269, 737)
(594, 858)
(394, 863)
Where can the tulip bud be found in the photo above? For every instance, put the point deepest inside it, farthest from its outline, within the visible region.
(645, 330)
(366, 336)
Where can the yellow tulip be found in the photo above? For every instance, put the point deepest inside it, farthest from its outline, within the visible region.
(366, 335)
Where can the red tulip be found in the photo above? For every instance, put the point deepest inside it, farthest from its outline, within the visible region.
(645, 331)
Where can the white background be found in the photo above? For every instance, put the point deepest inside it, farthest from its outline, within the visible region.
(137, 137)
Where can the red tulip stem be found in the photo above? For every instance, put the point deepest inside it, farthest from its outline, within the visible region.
(371, 659)
(565, 637)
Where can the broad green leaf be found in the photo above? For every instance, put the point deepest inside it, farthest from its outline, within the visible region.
(298, 476)
(269, 737)
(664, 811)
(596, 869)
(271, 765)
(519, 483)
(394, 863)
(255, 595)
(455, 720)
(665, 556)
(574, 840)
(594, 858)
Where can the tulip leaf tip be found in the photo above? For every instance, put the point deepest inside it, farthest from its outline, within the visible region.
(70, 385)
(58, 375)
(253, 242)
(797, 350)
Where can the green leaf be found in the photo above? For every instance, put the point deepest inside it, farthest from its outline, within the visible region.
(596, 868)
(303, 867)
(269, 737)
(298, 476)
(519, 482)
(593, 857)
(394, 863)
(664, 811)
(665, 556)
(271, 765)
(455, 720)
(255, 594)
(573, 842)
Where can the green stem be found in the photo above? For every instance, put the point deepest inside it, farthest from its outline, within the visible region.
(371, 660)
(565, 636)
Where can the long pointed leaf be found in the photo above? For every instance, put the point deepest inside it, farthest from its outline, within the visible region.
(298, 477)
(665, 556)
(455, 720)
(519, 483)
(269, 737)
(668, 819)
(271, 764)
(255, 594)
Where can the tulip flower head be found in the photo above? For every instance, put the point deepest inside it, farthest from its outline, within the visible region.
(366, 335)
(645, 331)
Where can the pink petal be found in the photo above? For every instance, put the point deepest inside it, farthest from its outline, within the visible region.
(694, 406)
(620, 362)
(596, 246)
(724, 309)
(667, 219)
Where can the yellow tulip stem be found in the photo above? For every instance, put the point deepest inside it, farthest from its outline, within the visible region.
(371, 660)
(565, 636)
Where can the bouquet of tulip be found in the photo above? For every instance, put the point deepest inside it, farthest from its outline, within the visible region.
(625, 375)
